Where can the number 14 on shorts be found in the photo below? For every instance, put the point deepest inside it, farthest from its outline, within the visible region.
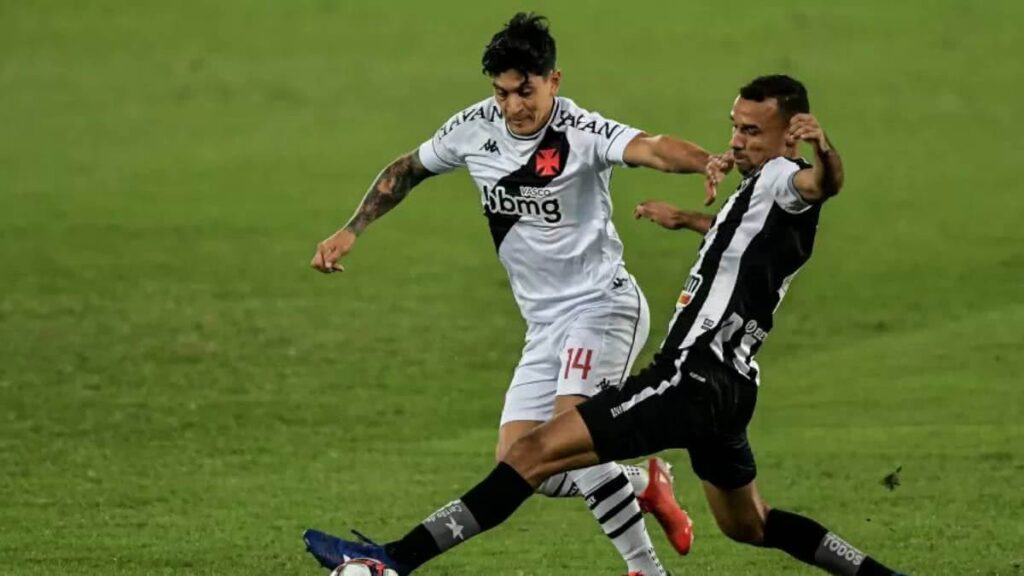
(578, 359)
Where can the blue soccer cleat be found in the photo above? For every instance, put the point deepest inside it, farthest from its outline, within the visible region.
(331, 551)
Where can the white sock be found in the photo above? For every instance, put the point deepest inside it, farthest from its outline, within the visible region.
(561, 486)
(609, 495)
(637, 476)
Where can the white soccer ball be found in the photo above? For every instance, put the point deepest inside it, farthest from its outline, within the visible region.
(363, 567)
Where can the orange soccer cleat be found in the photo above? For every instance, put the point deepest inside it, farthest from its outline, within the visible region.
(660, 500)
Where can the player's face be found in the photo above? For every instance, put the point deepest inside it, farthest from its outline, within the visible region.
(526, 101)
(758, 133)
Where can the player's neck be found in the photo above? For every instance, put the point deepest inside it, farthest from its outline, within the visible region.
(789, 152)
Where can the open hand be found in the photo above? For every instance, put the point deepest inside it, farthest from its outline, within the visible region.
(718, 166)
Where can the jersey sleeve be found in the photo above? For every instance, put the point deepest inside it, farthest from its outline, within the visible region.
(610, 153)
(606, 138)
(441, 154)
(777, 176)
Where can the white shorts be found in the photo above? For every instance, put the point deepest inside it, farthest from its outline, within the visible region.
(579, 354)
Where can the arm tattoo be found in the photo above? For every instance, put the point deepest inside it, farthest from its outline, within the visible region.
(391, 187)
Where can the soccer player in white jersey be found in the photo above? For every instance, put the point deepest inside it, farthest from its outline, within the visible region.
(699, 392)
(542, 165)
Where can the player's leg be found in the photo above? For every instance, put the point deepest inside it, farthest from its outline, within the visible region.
(510, 432)
(561, 485)
(606, 342)
(558, 445)
(620, 422)
(561, 444)
(617, 338)
(745, 517)
(598, 351)
(636, 420)
(599, 347)
(591, 349)
(620, 329)
(724, 461)
(530, 399)
(611, 499)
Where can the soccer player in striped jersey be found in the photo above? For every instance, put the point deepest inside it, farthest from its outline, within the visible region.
(542, 165)
(699, 392)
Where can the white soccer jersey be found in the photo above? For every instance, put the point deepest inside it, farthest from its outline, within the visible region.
(546, 198)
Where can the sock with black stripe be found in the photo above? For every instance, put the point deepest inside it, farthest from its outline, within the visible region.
(609, 494)
(561, 485)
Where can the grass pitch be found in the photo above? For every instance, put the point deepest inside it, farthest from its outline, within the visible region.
(181, 394)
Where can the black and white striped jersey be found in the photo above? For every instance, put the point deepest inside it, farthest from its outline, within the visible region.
(760, 238)
(546, 198)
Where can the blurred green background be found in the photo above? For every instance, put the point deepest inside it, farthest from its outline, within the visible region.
(181, 394)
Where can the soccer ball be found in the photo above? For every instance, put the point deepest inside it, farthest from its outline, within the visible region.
(363, 567)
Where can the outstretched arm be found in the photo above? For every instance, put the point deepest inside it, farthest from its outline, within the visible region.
(825, 179)
(392, 185)
(670, 154)
(668, 216)
(665, 153)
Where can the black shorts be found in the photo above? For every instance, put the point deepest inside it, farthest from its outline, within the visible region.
(703, 407)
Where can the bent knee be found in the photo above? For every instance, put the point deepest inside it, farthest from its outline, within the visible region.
(508, 434)
(527, 449)
(529, 455)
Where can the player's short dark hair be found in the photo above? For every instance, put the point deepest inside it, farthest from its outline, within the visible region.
(524, 44)
(787, 91)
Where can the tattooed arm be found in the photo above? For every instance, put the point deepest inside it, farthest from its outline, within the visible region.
(391, 187)
(387, 191)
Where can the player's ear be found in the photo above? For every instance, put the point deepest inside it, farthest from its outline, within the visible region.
(555, 78)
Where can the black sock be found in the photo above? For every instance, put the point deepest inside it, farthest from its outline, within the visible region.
(793, 534)
(486, 505)
(810, 542)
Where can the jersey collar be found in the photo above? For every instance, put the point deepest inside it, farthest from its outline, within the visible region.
(541, 130)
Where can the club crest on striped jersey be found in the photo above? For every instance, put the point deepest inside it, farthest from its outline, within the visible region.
(692, 285)
(548, 163)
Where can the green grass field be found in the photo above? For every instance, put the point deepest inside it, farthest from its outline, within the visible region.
(181, 394)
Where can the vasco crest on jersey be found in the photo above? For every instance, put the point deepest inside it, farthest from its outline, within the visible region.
(548, 162)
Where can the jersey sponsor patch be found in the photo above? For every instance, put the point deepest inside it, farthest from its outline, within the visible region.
(690, 290)
(525, 192)
(501, 201)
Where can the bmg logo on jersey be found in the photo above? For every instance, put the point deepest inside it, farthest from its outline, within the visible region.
(499, 201)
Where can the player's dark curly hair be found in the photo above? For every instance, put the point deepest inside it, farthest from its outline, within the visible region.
(789, 92)
(524, 44)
